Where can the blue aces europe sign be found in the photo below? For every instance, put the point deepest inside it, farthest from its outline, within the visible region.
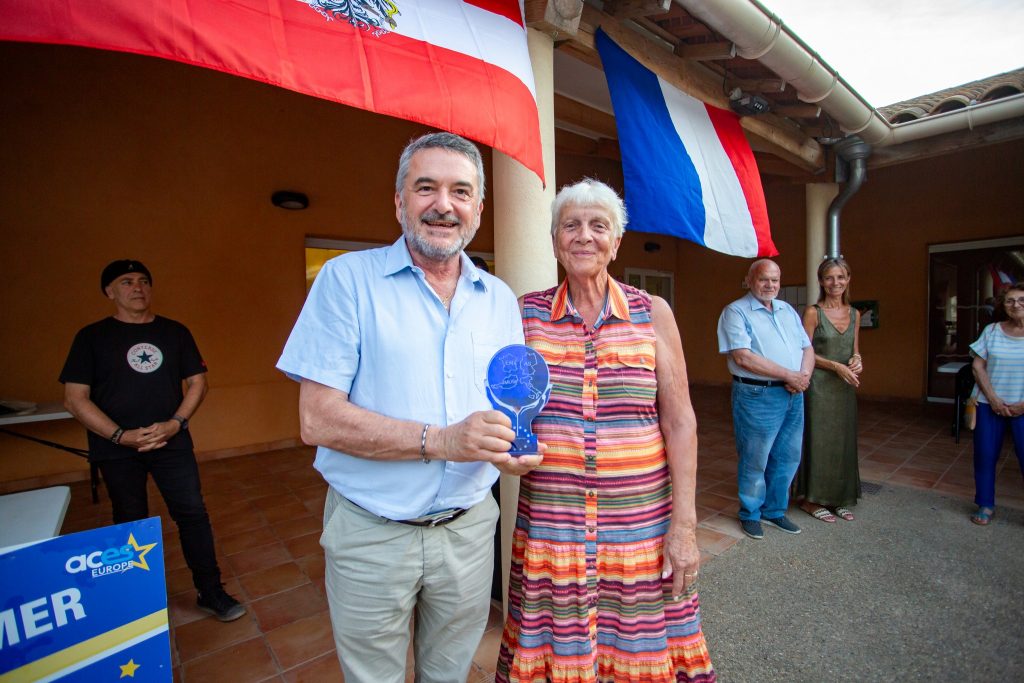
(90, 606)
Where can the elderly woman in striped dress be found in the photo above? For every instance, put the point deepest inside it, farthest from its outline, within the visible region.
(604, 554)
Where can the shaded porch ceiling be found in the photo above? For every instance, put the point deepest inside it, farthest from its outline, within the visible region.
(792, 140)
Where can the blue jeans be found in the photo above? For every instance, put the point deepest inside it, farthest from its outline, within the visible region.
(769, 427)
(989, 430)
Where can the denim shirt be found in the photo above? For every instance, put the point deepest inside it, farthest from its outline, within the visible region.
(373, 328)
(775, 334)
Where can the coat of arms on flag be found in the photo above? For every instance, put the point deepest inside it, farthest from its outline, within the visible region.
(370, 15)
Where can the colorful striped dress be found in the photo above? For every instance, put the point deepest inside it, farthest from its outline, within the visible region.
(586, 599)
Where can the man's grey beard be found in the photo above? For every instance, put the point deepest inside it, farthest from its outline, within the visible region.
(422, 246)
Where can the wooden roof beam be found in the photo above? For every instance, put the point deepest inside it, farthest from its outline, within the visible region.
(627, 9)
(558, 18)
(706, 52)
(580, 145)
(755, 85)
(581, 116)
(694, 30)
(657, 30)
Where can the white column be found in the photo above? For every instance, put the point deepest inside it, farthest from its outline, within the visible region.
(522, 237)
(522, 206)
(817, 200)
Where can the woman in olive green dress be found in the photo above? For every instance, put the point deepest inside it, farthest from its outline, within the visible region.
(828, 481)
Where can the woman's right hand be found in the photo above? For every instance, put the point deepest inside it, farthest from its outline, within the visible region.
(999, 407)
(847, 375)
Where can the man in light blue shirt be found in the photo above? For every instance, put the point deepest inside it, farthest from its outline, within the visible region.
(392, 348)
(771, 360)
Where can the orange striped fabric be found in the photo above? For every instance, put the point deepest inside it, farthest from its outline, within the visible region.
(586, 599)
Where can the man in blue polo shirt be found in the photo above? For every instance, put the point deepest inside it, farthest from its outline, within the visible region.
(391, 350)
(771, 360)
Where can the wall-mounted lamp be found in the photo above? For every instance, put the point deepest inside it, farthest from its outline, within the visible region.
(286, 199)
(651, 247)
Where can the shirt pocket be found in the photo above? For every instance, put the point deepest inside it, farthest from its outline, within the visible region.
(631, 374)
(485, 345)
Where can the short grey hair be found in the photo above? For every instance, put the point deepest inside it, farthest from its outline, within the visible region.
(588, 193)
(446, 141)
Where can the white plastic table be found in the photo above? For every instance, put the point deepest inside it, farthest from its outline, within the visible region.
(31, 516)
(951, 368)
(45, 412)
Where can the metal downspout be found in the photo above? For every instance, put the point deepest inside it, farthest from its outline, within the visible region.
(856, 152)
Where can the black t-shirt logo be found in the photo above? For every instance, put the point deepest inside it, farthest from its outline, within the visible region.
(145, 358)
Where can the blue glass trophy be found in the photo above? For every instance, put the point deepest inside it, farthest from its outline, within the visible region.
(518, 384)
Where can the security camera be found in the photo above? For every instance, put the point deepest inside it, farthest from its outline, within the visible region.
(745, 104)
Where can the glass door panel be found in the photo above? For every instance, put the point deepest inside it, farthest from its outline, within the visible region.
(964, 281)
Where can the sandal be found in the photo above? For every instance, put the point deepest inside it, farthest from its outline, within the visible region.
(845, 514)
(821, 513)
(983, 516)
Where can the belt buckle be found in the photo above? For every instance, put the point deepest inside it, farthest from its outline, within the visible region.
(442, 520)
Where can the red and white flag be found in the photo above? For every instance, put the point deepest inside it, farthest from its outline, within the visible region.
(457, 65)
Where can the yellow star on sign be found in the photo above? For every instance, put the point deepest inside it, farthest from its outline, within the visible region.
(128, 670)
(140, 560)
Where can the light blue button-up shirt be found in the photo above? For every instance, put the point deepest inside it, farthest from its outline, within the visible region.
(776, 334)
(373, 328)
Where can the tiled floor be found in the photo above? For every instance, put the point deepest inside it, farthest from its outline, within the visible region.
(266, 511)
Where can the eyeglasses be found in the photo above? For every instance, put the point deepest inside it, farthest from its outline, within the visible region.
(1014, 302)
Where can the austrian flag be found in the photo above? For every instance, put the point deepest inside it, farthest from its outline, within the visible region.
(456, 65)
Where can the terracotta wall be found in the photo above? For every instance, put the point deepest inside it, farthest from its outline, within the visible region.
(112, 156)
(888, 226)
(885, 232)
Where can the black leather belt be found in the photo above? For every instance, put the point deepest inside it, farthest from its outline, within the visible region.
(435, 519)
(759, 382)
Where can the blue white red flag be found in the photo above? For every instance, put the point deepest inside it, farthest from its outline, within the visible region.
(688, 168)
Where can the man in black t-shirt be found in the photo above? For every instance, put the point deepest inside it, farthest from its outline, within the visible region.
(123, 382)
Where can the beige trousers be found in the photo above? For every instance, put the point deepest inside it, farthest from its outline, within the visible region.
(379, 574)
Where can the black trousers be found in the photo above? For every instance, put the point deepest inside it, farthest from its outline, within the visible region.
(176, 474)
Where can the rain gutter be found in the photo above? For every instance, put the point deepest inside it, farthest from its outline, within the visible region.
(759, 34)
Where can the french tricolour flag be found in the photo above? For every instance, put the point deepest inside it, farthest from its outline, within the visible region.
(457, 65)
(688, 169)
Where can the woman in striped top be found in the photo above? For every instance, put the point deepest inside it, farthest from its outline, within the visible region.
(999, 371)
(604, 554)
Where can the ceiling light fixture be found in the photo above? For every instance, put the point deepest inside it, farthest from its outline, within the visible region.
(287, 199)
